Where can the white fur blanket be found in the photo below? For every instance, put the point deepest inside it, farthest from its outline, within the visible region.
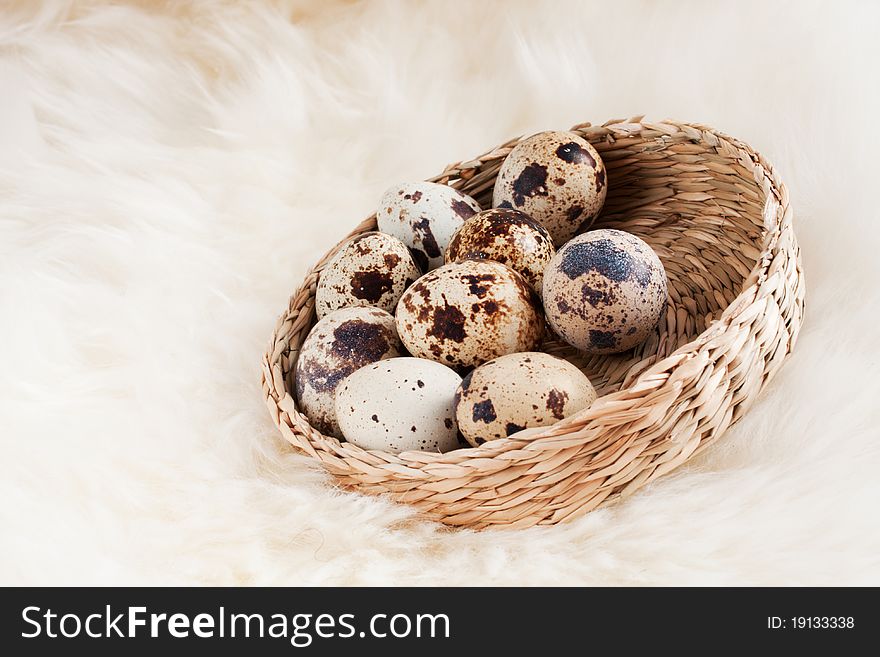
(168, 174)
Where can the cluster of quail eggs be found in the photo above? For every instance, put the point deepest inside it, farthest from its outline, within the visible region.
(429, 329)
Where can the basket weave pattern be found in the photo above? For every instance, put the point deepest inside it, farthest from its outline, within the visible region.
(719, 218)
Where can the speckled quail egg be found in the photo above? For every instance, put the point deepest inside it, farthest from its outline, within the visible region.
(519, 391)
(424, 216)
(468, 312)
(605, 291)
(400, 405)
(372, 269)
(341, 343)
(507, 236)
(557, 178)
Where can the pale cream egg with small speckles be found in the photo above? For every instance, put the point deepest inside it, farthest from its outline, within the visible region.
(371, 269)
(468, 312)
(605, 291)
(341, 343)
(424, 216)
(557, 178)
(400, 405)
(519, 391)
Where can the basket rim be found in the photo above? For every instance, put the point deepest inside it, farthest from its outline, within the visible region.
(658, 379)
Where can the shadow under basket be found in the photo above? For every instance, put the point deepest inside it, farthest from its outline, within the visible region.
(718, 216)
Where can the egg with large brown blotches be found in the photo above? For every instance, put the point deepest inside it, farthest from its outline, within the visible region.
(519, 391)
(424, 216)
(400, 405)
(557, 178)
(605, 291)
(338, 345)
(507, 236)
(371, 269)
(465, 313)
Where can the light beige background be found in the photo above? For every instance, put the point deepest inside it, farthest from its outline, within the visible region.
(168, 175)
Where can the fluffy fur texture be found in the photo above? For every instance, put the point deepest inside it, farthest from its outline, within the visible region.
(168, 173)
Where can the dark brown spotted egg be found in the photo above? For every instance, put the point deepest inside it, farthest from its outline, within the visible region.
(338, 345)
(517, 392)
(468, 312)
(557, 178)
(372, 269)
(424, 216)
(507, 236)
(605, 291)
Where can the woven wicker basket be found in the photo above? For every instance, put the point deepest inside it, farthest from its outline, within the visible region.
(719, 218)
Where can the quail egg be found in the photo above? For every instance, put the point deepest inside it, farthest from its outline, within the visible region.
(507, 236)
(519, 391)
(468, 312)
(400, 405)
(424, 216)
(557, 178)
(371, 269)
(605, 291)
